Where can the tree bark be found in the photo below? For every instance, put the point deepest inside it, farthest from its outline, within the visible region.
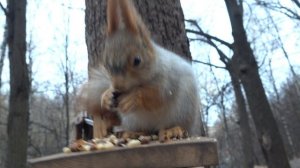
(17, 128)
(164, 19)
(247, 141)
(266, 127)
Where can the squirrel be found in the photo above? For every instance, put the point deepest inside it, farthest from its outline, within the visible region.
(150, 88)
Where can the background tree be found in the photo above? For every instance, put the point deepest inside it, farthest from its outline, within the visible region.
(286, 109)
(17, 126)
(233, 66)
(3, 51)
(266, 127)
(66, 71)
(240, 102)
(278, 6)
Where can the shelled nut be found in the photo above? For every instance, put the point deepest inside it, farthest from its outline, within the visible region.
(133, 143)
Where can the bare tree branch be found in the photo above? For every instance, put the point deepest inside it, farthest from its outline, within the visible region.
(288, 12)
(209, 41)
(200, 32)
(209, 64)
(280, 8)
(285, 53)
(297, 3)
(223, 56)
(52, 130)
(34, 147)
(3, 9)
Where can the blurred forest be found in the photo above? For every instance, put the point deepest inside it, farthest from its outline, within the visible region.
(230, 110)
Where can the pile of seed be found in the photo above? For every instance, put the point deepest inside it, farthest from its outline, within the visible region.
(108, 143)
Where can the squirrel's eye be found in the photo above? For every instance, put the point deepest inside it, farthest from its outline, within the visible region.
(137, 61)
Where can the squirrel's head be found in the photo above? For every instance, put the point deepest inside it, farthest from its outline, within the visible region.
(128, 54)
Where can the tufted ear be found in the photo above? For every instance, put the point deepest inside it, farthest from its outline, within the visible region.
(112, 16)
(121, 14)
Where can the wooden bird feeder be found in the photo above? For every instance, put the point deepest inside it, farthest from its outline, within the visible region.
(180, 153)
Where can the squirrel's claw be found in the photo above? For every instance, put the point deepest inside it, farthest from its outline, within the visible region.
(107, 101)
(168, 134)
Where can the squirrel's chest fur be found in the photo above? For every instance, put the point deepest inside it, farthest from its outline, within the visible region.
(176, 83)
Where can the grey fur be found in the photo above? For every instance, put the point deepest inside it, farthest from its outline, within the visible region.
(175, 79)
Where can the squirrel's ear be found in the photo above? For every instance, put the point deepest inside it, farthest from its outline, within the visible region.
(121, 14)
(112, 16)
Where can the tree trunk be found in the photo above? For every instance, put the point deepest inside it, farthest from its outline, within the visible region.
(67, 86)
(281, 117)
(247, 141)
(164, 19)
(17, 128)
(266, 127)
(3, 53)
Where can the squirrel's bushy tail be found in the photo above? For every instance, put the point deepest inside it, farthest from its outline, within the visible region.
(89, 97)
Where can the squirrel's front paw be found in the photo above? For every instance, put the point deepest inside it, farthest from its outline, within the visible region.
(168, 134)
(109, 99)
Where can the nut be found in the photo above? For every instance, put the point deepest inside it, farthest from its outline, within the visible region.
(108, 145)
(103, 146)
(144, 139)
(154, 137)
(86, 147)
(133, 143)
(67, 150)
(111, 137)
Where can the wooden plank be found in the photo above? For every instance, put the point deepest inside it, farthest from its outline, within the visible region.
(183, 153)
